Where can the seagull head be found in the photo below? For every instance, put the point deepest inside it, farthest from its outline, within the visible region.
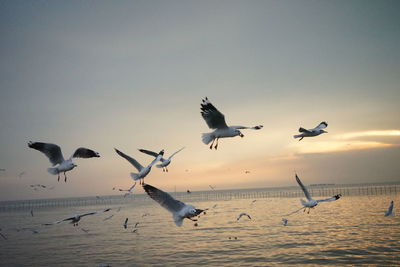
(239, 133)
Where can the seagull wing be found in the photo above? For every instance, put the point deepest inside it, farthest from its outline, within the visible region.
(164, 199)
(170, 157)
(390, 209)
(148, 152)
(93, 212)
(133, 186)
(302, 130)
(131, 160)
(336, 197)
(63, 220)
(212, 116)
(85, 153)
(306, 193)
(257, 127)
(52, 151)
(321, 126)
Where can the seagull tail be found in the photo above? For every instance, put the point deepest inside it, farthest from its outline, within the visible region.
(135, 176)
(207, 138)
(53, 171)
(297, 136)
(178, 220)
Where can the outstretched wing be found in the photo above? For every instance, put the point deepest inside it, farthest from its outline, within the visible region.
(163, 198)
(335, 197)
(257, 127)
(148, 152)
(93, 212)
(321, 126)
(86, 153)
(212, 116)
(131, 160)
(52, 151)
(170, 157)
(306, 193)
(302, 130)
(63, 220)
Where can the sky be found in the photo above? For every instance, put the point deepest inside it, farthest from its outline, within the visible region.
(131, 74)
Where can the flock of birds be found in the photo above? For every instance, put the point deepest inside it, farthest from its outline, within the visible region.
(179, 210)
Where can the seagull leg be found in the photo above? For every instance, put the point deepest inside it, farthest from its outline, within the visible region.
(216, 144)
(301, 138)
(166, 169)
(65, 177)
(58, 177)
(212, 144)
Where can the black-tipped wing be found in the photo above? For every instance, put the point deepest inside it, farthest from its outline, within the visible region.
(321, 126)
(302, 130)
(390, 209)
(170, 157)
(212, 116)
(148, 152)
(164, 199)
(131, 160)
(86, 153)
(334, 198)
(306, 193)
(52, 151)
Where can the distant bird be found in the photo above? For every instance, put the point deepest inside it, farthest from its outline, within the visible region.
(145, 214)
(241, 215)
(178, 209)
(125, 225)
(164, 162)
(188, 191)
(215, 205)
(311, 203)
(53, 152)
(143, 171)
(3, 236)
(312, 132)
(2, 170)
(76, 218)
(285, 221)
(247, 172)
(212, 187)
(21, 174)
(135, 230)
(109, 217)
(216, 120)
(390, 211)
(119, 209)
(128, 191)
(136, 224)
(85, 230)
(254, 201)
(32, 213)
(37, 186)
(33, 230)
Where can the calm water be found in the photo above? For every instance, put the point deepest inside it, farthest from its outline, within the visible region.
(352, 230)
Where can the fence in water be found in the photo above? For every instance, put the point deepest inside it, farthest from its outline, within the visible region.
(219, 195)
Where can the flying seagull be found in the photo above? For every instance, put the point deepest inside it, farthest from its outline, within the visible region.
(311, 203)
(390, 211)
(243, 214)
(109, 217)
(125, 223)
(285, 221)
(312, 132)
(21, 174)
(53, 152)
(128, 191)
(143, 171)
(76, 218)
(178, 209)
(164, 162)
(216, 120)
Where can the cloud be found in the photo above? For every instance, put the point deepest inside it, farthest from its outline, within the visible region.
(372, 133)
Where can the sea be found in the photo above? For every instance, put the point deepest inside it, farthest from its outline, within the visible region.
(351, 231)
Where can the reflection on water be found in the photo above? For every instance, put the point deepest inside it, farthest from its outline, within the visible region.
(352, 230)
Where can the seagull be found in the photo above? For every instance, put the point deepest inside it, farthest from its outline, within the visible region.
(390, 211)
(76, 218)
(143, 171)
(285, 221)
(128, 191)
(33, 230)
(212, 187)
(254, 201)
(312, 132)
(3, 236)
(243, 214)
(21, 174)
(32, 213)
(85, 230)
(53, 152)
(216, 120)
(136, 224)
(178, 209)
(311, 203)
(164, 162)
(126, 223)
(188, 191)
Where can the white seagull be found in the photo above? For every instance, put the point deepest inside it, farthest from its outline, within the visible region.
(216, 120)
(390, 211)
(164, 162)
(76, 218)
(285, 221)
(241, 215)
(143, 171)
(178, 209)
(53, 152)
(311, 203)
(312, 132)
(125, 225)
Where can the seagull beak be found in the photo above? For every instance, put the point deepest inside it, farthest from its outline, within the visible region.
(241, 135)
